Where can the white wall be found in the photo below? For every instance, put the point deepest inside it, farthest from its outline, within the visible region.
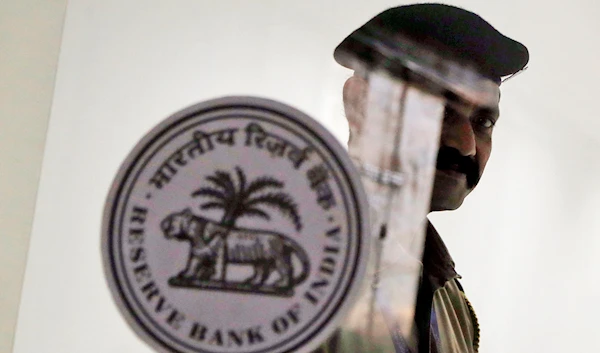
(524, 241)
(30, 35)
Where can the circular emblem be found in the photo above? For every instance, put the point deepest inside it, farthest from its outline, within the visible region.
(236, 225)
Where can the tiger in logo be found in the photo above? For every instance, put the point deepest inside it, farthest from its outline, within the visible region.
(212, 245)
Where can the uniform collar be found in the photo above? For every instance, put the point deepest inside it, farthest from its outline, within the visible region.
(438, 265)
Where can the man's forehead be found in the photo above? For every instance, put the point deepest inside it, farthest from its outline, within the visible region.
(493, 99)
(488, 99)
(490, 106)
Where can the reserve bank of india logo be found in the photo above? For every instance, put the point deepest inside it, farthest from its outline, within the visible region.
(236, 225)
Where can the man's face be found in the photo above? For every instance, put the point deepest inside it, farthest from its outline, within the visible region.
(465, 145)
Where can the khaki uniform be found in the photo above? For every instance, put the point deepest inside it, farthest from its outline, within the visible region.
(444, 318)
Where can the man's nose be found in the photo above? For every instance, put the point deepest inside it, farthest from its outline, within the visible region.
(457, 132)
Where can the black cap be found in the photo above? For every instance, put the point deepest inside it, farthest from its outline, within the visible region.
(463, 34)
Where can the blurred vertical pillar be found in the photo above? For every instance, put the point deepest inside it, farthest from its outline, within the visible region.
(30, 37)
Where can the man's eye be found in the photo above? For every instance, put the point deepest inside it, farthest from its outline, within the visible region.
(484, 122)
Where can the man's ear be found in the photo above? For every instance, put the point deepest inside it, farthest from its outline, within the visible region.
(355, 89)
(354, 95)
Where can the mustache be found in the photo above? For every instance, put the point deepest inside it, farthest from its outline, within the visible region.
(451, 159)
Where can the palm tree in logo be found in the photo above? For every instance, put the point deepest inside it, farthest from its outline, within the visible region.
(239, 199)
